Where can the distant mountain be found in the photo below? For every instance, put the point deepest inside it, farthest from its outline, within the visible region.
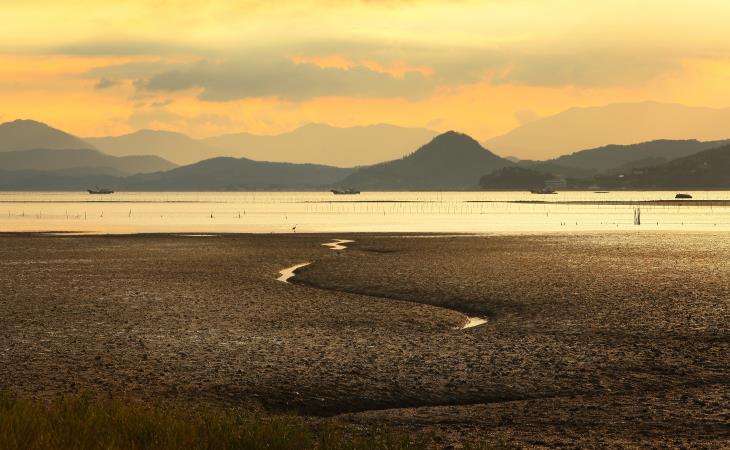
(81, 161)
(612, 157)
(514, 178)
(316, 144)
(175, 147)
(216, 174)
(555, 168)
(324, 144)
(36, 180)
(225, 173)
(451, 161)
(708, 169)
(624, 123)
(29, 134)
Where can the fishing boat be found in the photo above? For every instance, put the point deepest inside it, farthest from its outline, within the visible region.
(345, 191)
(100, 191)
(682, 196)
(542, 191)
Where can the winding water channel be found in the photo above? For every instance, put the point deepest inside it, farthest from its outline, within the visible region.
(288, 273)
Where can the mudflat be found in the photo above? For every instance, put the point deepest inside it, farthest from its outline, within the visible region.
(608, 339)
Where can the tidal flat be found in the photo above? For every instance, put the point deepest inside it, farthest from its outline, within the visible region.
(591, 339)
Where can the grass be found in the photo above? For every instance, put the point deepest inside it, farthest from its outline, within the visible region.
(83, 422)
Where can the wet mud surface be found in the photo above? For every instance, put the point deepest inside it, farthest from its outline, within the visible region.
(591, 340)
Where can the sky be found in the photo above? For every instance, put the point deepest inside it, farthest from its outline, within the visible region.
(94, 67)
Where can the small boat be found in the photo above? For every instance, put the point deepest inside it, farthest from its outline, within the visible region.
(542, 191)
(344, 191)
(682, 196)
(100, 191)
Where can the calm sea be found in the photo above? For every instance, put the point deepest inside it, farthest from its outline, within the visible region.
(278, 212)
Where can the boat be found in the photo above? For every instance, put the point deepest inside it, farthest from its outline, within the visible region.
(100, 191)
(542, 191)
(345, 191)
(682, 196)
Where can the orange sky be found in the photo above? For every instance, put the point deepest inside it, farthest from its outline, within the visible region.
(482, 67)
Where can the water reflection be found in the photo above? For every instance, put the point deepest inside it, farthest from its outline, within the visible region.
(264, 212)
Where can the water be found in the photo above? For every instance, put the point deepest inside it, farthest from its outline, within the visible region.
(287, 273)
(278, 212)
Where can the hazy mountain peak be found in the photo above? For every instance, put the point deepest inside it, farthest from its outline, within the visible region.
(87, 159)
(149, 133)
(326, 126)
(455, 137)
(24, 134)
(619, 123)
(453, 144)
(153, 132)
(170, 145)
(450, 161)
(314, 126)
(25, 123)
(326, 144)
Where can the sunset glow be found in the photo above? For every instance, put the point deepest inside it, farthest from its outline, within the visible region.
(98, 68)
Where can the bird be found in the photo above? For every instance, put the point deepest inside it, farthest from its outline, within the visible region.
(294, 228)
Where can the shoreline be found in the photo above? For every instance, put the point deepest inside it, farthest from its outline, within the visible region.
(645, 228)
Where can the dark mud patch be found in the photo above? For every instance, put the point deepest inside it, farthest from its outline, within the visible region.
(598, 340)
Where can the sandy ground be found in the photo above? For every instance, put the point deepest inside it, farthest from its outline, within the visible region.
(592, 340)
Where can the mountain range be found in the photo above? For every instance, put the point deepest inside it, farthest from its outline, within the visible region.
(172, 146)
(324, 144)
(238, 174)
(314, 143)
(613, 157)
(29, 134)
(81, 161)
(621, 123)
(451, 161)
(549, 137)
(708, 169)
(35, 156)
(619, 158)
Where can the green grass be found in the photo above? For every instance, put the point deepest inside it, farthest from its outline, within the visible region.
(83, 422)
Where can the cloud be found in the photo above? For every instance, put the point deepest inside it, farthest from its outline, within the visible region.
(552, 63)
(113, 75)
(106, 83)
(123, 47)
(129, 71)
(588, 69)
(284, 79)
(271, 72)
(281, 78)
(162, 103)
